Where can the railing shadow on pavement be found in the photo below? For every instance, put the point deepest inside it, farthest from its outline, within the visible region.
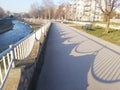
(105, 67)
(91, 55)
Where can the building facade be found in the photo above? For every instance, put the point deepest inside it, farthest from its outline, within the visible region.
(76, 11)
(85, 10)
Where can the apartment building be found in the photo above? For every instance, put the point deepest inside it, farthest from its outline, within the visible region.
(85, 10)
(76, 11)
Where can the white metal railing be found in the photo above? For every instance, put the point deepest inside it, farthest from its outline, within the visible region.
(18, 51)
(23, 48)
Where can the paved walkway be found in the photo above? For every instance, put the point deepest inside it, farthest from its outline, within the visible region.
(77, 61)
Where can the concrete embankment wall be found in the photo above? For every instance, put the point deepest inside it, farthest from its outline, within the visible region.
(5, 25)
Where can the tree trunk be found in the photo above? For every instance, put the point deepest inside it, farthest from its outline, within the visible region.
(107, 25)
(49, 16)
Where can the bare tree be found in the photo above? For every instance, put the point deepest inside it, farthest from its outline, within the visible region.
(48, 7)
(108, 7)
(44, 11)
(2, 13)
(48, 10)
(26, 15)
(56, 11)
(62, 11)
(67, 11)
(34, 10)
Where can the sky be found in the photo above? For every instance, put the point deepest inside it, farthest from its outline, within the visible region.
(20, 5)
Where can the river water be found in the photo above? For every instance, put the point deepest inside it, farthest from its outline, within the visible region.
(19, 31)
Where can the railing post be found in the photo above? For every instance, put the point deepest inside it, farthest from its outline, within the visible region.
(4, 63)
(1, 76)
(44, 31)
(12, 56)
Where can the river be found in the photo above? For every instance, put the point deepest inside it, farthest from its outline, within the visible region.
(19, 31)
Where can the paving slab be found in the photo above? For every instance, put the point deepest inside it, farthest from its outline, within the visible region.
(75, 60)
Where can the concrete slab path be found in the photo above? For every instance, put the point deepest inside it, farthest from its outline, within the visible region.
(75, 60)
